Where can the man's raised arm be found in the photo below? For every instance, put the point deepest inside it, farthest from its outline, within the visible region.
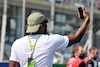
(79, 34)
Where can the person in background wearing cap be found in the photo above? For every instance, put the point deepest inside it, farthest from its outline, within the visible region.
(37, 49)
(77, 58)
(90, 61)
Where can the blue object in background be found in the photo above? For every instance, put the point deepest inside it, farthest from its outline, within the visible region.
(5, 65)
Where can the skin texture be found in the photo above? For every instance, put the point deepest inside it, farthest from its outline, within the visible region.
(80, 32)
(13, 64)
(80, 50)
(72, 38)
(94, 53)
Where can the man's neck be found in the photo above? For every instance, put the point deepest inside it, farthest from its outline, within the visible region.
(91, 56)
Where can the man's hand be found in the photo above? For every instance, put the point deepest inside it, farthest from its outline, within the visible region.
(86, 17)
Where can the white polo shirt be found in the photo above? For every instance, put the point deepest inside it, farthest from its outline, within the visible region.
(44, 49)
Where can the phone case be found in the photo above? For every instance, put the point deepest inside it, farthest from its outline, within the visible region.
(81, 12)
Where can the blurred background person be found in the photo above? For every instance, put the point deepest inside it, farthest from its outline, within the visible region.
(90, 61)
(77, 58)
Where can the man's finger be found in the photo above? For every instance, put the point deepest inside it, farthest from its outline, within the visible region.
(83, 8)
(78, 14)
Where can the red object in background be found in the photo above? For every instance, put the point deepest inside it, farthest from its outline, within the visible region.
(74, 62)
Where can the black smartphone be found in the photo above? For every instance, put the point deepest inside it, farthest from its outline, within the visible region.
(81, 12)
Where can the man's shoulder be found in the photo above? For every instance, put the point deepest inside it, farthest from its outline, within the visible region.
(90, 62)
(58, 36)
(87, 59)
(55, 35)
(75, 59)
(20, 40)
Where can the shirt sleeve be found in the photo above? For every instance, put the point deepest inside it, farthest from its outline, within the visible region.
(60, 41)
(13, 56)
